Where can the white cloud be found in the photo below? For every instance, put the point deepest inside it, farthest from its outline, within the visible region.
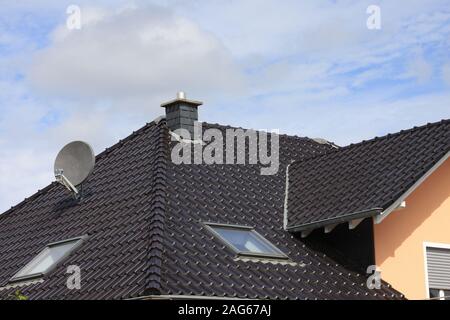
(420, 69)
(322, 28)
(349, 121)
(134, 52)
(301, 66)
(24, 152)
(116, 70)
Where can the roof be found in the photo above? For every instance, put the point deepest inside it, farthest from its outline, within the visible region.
(144, 217)
(362, 179)
(121, 211)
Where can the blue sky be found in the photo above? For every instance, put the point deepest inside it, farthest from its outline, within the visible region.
(308, 68)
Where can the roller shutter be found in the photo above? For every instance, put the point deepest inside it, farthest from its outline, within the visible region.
(438, 266)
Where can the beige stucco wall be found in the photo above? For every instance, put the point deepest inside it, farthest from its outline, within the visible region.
(399, 238)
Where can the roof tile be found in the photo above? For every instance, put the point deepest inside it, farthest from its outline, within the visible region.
(370, 175)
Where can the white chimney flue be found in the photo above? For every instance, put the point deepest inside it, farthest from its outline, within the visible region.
(181, 95)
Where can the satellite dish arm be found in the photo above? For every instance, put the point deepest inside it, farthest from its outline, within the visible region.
(64, 181)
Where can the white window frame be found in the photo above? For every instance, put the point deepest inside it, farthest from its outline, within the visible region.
(437, 246)
(278, 255)
(77, 242)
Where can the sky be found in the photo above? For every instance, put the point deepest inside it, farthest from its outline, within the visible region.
(308, 68)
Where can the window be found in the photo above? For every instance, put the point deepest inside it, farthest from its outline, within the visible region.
(438, 271)
(245, 241)
(47, 259)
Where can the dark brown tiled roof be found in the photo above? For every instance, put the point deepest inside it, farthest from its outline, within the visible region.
(122, 212)
(364, 178)
(196, 263)
(144, 217)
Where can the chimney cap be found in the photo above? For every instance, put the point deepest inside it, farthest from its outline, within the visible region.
(181, 97)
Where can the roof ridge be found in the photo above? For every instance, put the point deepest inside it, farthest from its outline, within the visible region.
(156, 215)
(375, 139)
(281, 135)
(395, 134)
(124, 140)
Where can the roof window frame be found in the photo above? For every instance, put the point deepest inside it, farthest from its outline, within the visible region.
(280, 255)
(33, 276)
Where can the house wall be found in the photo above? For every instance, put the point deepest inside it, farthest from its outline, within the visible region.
(399, 238)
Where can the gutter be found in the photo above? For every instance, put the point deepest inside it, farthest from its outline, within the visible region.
(184, 297)
(337, 220)
(286, 199)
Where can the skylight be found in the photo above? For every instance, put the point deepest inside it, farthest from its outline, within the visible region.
(245, 241)
(47, 259)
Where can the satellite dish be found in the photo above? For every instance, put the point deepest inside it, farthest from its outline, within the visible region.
(73, 164)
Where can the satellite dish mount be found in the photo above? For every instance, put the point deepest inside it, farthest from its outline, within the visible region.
(73, 165)
(59, 175)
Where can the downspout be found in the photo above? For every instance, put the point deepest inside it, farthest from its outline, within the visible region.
(286, 198)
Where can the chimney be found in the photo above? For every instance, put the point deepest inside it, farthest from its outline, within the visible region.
(182, 113)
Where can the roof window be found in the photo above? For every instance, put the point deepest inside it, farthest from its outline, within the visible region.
(47, 259)
(245, 241)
